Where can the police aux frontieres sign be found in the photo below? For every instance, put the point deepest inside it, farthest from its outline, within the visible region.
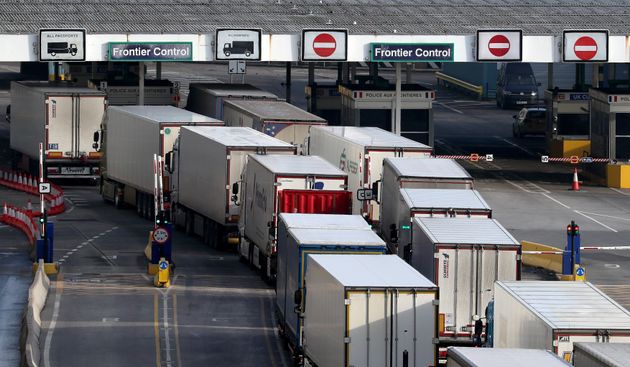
(412, 52)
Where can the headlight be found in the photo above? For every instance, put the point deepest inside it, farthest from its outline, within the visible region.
(534, 94)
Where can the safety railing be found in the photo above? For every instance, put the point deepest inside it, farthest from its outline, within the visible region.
(22, 219)
(28, 184)
(446, 80)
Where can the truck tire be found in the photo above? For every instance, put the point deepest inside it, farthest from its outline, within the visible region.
(227, 53)
(139, 203)
(189, 225)
(248, 53)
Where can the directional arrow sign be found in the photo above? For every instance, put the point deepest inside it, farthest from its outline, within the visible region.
(585, 46)
(503, 45)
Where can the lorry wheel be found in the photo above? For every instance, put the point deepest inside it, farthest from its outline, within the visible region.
(227, 53)
(189, 223)
(139, 204)
(247, 53)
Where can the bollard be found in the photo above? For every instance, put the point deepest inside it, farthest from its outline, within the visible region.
(50, 235)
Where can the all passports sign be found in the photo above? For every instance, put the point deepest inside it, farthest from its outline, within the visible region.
(412, 52)
(150, 51)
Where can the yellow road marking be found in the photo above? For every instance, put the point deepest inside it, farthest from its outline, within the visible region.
(156, 330)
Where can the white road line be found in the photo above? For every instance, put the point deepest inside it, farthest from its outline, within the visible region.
(556, 201)
(71, 206)
(619, 191)
(51, 329)
(449, 108)
(167, 339)
(517, 146)
(596, 221)
(606, 216)
(279, 346)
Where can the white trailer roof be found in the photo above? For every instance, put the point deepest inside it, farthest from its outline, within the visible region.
(238, 136)
(165, 114)
(233, 90)
(501, 357)
(466, 231)
(59, 88)
(299, 165)
(324, 221)
(373, 137)
(610, 354)
(347, 237)
(428, 168)
(274, 110)
(378, 271)
(444, 198)
(569, 305)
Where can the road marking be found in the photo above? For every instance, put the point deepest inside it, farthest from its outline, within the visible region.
(71, 206)
(176, 327)
(156, 331)
(606, 216)
(263, 318)
(53, 321)
(612, 266)
(167, 339)
(517, 146)
(449, 108)
(279, 346)
(556, 201)
(596, 221)
(619, 191)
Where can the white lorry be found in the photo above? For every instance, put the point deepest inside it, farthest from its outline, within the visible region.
(206, 168)
(464, 257)
(601, 354)
(554, 315)
(337, 234)
(368, 310)
(360, 152)
(131, 135)
(274, 184)
(502, 357)
(279, 119)
(408, 172)
(208, 98)
(124, 93)
(444, 203)
(64, 119)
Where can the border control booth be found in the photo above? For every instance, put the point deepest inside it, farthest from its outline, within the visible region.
(374, 106)
(568, 125)
(610, 134)
(327, 103)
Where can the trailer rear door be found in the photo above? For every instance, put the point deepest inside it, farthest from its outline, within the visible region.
(61, 135)
(91, 110)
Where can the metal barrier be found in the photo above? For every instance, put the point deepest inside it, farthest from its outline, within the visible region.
(443, 79)
(473, 157)
(574, 160)
(28, 184)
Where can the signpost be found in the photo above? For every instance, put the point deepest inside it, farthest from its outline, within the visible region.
(44, 188)
(237, 44)
(324, 45)
(499, 45)
(585, 46)
(62, 45)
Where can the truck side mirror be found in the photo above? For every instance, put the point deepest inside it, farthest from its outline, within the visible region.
(297, 297)
(235, 188)
(168, 161)
(407, 252)
(375, 191)
(393, 233)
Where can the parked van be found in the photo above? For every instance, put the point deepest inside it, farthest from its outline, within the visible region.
(516, 85)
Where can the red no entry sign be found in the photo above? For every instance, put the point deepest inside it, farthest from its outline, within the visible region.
(499, 45)
(585, 48)
(324, 45)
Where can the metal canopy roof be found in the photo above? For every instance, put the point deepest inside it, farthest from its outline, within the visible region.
(284, 16)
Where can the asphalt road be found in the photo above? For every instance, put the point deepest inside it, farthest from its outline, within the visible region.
(103, 310)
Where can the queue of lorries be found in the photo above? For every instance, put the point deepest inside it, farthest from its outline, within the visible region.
(380, 254)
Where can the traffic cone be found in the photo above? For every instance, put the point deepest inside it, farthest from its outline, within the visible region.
(575, 186)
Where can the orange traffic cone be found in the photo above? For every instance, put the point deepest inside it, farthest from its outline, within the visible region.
(575, 186)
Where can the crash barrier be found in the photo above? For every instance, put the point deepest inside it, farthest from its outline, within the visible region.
(27, 183)
(37, 294)
(542, 256)
(22, 219)
(574, 159)
(474, 157)
(447, 81)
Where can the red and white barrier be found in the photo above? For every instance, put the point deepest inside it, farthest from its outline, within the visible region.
(27, 183)
(21, 219)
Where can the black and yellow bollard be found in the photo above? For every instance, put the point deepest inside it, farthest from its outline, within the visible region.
(162, 278)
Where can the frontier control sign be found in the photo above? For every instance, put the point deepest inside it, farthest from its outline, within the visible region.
(412, 52)
(150, 51)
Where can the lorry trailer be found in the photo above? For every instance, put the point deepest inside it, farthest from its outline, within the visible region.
(131, 135)
(207, 165)
(502, 357)
(368, 310)
(601, 354)
(279, 119)
(274, 184)
(126, 93)
(554, 315)
(62, 117)
(349, 233)
(360, 152)
(208, 98)
(405, 172)
(432, 203)
(464, 257)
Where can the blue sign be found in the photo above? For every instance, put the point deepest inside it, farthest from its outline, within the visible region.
(412, 52)
(163, 265)
(150, 51)
(580, 272)
(579, 97)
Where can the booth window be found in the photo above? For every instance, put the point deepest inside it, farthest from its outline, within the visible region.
(622, 147)
(376, 118)
(414, 120)
(622, 138)
(573, 124)
(622, 125)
